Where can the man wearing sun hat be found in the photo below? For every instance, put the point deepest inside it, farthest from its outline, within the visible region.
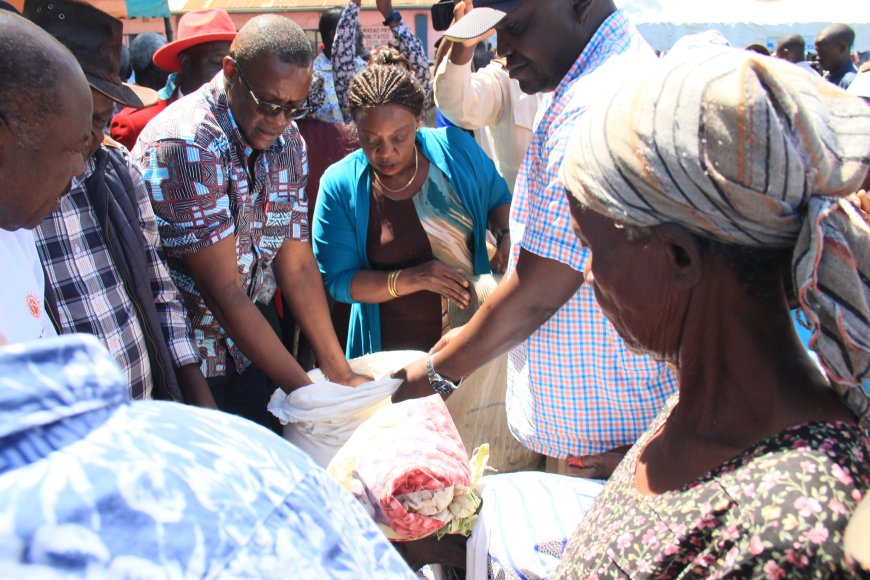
(204, 38)
(100, 248)
(574, 388)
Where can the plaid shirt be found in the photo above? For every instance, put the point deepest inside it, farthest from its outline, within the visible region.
(573, 387)
(195, 163)
(91, 297)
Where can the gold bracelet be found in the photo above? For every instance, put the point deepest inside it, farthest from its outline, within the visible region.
(392, 286)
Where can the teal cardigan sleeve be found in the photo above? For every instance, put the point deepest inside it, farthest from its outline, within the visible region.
(334, 230)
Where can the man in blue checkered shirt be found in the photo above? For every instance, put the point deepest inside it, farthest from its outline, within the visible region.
(574, 388)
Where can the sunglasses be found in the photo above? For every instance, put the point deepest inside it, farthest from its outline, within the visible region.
(271, 109)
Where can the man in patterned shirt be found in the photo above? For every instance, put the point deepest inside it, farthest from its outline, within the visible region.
(574, 389)
(226, 169)
(100, 249)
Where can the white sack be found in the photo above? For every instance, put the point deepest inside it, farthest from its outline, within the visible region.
(319, 418)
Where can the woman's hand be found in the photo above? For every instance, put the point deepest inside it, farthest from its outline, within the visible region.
(499, 260)
(449, 550)
(597, 466)
(437, 277)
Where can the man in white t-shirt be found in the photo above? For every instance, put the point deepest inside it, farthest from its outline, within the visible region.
(45, 112)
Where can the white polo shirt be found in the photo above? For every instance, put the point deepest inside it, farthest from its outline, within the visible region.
(22, 290)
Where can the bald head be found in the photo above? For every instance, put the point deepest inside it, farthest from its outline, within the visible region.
(837, 33)
(34, 68)
(45, 116)
(834, 47)
(270, 35)
(791, 47)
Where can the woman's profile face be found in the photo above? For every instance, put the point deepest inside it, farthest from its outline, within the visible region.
(386, 135)
(629, 279)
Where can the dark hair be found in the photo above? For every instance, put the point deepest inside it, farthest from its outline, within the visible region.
(761, 271)
(759, 48)
(32, 70)
(386, 80)
(326, 27)
(142, 49)
(125, 68)
(482, 56)
(270, 34)
(792, 42)
(839, 33)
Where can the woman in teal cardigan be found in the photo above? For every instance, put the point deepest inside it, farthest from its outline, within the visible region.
(400, 224)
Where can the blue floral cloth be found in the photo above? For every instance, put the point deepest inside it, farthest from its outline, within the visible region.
(94, 485)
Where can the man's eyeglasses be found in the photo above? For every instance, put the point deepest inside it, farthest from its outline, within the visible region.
(271, 109)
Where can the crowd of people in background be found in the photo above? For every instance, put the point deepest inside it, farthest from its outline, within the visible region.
(680, 244)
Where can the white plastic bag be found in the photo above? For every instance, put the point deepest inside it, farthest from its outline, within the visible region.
(319, 418)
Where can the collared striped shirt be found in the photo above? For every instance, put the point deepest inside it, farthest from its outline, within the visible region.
(573, 386)
(90, 291)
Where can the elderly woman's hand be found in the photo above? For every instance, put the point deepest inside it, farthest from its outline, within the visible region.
(449, 550)
(597, 466)
(437, 277)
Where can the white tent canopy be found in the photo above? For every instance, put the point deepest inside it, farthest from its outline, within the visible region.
(745, 22)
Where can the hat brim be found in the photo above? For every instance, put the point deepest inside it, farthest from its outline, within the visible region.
(166, 57)
(126, 94)
(480, 20)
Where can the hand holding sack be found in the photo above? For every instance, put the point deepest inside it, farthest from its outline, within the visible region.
(319, 418)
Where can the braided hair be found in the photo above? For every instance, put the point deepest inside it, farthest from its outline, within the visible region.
(386, 80)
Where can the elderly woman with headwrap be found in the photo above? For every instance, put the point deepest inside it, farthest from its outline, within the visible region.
(714, 191)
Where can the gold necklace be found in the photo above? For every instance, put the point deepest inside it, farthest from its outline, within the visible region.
(410, 181)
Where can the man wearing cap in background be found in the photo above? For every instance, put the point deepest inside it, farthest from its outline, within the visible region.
(142, 49)
(574, 389)
(100, 249)
(204, 38)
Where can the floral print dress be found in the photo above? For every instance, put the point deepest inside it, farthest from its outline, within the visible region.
(778, 510)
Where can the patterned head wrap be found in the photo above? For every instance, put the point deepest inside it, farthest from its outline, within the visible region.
(751, 151)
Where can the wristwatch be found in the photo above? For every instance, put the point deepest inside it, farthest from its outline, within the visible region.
(438, 383)
(394, 17)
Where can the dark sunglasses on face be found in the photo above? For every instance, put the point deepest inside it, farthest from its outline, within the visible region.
(271, 109)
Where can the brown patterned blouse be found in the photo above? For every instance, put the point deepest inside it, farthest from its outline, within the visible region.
(778, 510)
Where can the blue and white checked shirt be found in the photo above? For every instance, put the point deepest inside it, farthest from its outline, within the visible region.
(573, 387)
(92, 485)
(344, 61)
(91, 296)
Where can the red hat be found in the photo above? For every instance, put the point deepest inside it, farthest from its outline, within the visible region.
(197, 27)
